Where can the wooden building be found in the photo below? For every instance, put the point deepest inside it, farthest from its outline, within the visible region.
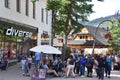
(84, 39)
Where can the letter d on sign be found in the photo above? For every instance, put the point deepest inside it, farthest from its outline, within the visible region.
(9, 31)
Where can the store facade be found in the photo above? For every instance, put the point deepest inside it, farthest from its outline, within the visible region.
(16, 38)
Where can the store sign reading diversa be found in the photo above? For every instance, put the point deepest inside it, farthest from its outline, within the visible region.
(14, 32)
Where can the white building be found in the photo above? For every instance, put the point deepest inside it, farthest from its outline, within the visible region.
(25, 18)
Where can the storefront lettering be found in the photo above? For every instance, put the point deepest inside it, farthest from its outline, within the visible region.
(15, 32)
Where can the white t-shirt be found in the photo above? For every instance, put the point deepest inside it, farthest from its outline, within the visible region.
(29, 60)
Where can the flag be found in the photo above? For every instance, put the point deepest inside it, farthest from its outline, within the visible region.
(116, 16)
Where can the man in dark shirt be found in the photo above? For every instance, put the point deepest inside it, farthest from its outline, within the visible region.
(101, 65)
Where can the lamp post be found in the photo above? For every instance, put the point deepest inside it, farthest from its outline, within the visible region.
(96, 30)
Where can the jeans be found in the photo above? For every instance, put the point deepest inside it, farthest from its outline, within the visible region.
(82, 70)
(108, 70)
(36, 63)
(101, 73)
(70, 69)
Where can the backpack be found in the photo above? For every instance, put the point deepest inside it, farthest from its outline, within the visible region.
(89, 62)
(82, 62)
(101, 62)
(108, 61)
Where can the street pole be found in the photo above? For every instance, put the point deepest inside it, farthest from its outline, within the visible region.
(94, 42)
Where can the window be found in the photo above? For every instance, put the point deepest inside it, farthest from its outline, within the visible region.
(34, 10)
(18, 5)
(42, 15)
(27, 7)
(7, 4)
(80, 37)
(86, 37)
(46, 16)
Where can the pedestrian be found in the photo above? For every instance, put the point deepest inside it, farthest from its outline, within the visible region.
(108, 65)
(37, 59)
(26, 69)
(89, 65)
(23, 62)
(29, 60)
(95, 66)
(5, 60)
(77, 65)
(1, 57)
(70, 67)
(82, 66)
(101, 66)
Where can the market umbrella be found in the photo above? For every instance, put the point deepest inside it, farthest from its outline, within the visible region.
(46, 49)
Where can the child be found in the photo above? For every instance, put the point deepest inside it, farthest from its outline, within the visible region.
(26, 69)
(39, 73)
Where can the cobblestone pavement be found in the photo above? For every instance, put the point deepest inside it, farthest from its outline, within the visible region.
(15, 73)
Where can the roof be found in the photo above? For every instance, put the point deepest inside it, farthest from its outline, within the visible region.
(98, 37)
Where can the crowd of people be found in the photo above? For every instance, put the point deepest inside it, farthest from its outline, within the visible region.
(76, 65)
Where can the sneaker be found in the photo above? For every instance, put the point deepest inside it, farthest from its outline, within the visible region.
(108, 76)
(82, 76)
(65, 76)
(73, 76)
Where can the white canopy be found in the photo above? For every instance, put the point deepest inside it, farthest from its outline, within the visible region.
(46, 49)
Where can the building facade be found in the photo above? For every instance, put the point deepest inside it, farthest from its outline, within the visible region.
(84, 39)
(23, 24)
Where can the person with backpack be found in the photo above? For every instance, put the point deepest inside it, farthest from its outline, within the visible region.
(101, 66)
(89, 65)
(82, 66)
(70, 67)
(108, 65)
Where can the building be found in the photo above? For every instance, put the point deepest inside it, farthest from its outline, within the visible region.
(84, 39)
(23, 24)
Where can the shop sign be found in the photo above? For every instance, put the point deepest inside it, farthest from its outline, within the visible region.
(13, 32)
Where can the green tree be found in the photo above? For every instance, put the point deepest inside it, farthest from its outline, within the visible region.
(68, 14)
(115, 32)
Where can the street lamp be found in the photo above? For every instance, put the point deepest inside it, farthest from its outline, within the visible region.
(107, 29)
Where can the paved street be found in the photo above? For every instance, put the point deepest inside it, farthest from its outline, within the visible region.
(15, 73)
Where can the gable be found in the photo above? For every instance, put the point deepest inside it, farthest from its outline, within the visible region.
(84, 30)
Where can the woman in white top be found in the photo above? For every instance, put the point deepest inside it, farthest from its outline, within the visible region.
(29, 60)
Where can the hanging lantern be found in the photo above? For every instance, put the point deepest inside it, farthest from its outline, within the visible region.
(108, 36)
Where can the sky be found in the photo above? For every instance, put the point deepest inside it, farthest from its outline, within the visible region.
(106, 8)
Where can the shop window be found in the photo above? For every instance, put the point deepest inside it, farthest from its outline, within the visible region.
(27, 7)
(18, 5)
(34, 9)
(7, 4)
(42, 15)
(44, 34)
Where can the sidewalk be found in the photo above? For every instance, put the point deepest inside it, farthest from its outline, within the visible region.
(15, 73)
